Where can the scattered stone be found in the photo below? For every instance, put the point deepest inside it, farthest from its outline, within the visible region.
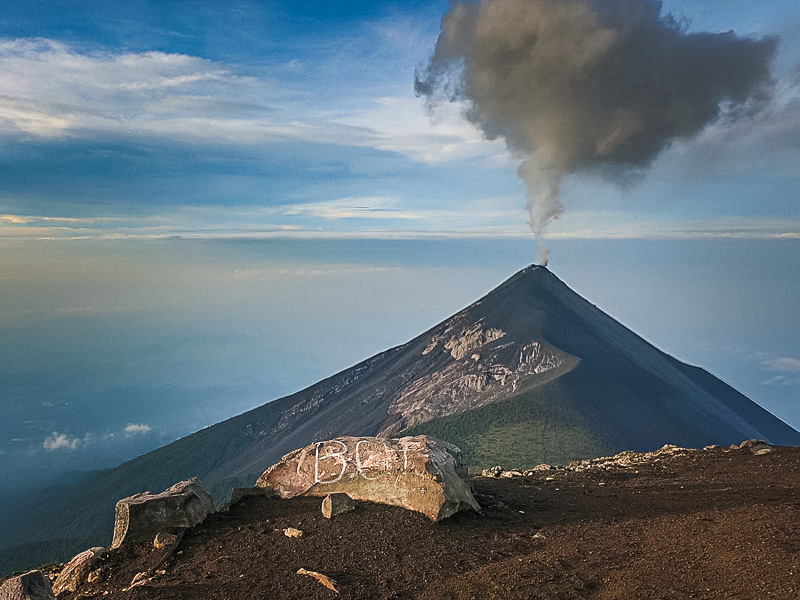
(419, 473)
(511, 474)
(32, 585)
(142, 578)
(77, 570)
(712, 447)
(538, 536)
(623, 460)
(323, 579)
(751, 443)
(292, 532)
(492, 472)
(142, 516)
(336, 504)
(761, 449)
(164, 539)
(95, 576)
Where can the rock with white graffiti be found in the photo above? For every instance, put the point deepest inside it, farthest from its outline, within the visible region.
(419, 473)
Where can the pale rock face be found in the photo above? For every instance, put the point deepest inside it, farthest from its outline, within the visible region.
(419, 473)
(468, 382)
(77, 570)
(141, 516)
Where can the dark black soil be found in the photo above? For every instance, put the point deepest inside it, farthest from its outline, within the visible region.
(707, 524)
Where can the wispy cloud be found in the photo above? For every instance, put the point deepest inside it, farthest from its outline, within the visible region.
(785, 364)
(401, 124)
(387, 217)
(786, 369)
(49, 89)
(374, 207)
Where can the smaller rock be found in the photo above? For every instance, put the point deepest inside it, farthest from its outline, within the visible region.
(712, 447)
(77, 570)
(164, 539)
(95, 576)
(292, 532)
(492, 471)
(513, 473)
(761, 449)
(323, 579)
(336, 504)
(32, 585)
(751, 443)
(239, 494)
(142, 578)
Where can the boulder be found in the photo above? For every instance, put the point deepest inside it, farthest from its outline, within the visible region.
(141, 516)
(336, 504)
(77, 570)
(419, 473)
(33, 585)
(240, 494)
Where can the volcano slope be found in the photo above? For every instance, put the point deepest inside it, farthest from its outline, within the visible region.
(676, 524)
(530, 373)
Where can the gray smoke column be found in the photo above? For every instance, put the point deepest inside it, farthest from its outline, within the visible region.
(590, 86)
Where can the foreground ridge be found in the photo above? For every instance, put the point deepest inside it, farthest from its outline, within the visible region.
(726, 519)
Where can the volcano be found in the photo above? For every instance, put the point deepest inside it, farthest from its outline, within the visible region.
(531, 373)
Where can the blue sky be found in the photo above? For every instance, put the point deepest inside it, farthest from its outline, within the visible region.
(187, 187)
(208, 118)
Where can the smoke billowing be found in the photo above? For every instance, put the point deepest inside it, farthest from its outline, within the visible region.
(591, 86)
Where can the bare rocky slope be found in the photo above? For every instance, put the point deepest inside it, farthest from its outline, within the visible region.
(530, 373)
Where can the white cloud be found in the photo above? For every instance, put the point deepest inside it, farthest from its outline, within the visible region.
(785, 364)
(61, 441)
(403, 125)
(371, 207)
(64, 441)
(136, 429)
(766, 141)
(47, 89)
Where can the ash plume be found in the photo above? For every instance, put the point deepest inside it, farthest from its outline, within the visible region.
(588, 86)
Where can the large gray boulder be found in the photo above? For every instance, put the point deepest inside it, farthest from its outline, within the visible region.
(419, 473)
(33, 585)
(141, 516)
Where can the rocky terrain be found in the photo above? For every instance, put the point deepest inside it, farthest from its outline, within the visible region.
(672, 524)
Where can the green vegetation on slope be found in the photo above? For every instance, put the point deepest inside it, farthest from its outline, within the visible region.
(535, 426)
